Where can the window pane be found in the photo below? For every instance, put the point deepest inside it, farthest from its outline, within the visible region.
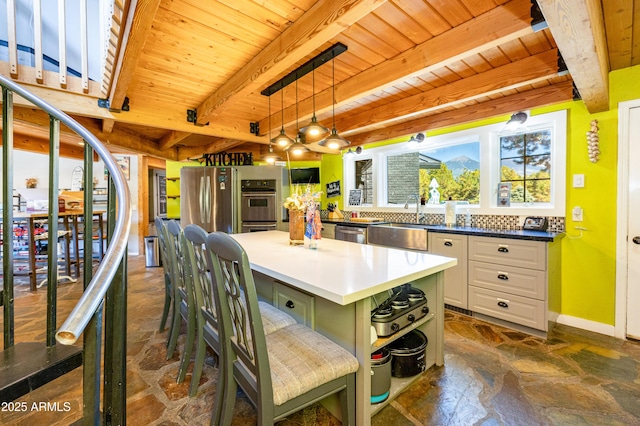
(511, 169)
(403, 177)
(512, 146)
(525, 160)
(364, 179)
(539, 191)
(538, 166)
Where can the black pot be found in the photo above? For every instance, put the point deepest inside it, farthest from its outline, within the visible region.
(408, 354)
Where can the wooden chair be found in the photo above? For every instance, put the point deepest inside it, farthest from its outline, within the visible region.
(207, 319)
(161, 230)
(281, 372)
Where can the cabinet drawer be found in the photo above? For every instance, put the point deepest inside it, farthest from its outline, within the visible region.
(508, 307)
(455, 279)
(522, 253)
(299, 305)
(507, 279)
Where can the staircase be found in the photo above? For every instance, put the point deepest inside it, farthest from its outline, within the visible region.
(26, 366)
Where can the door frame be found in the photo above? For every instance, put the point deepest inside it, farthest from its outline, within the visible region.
(622, 217)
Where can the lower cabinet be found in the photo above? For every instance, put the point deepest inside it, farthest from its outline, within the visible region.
(455, 279)
(329, 230)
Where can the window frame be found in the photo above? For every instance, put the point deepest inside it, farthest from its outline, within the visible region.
(489, 138)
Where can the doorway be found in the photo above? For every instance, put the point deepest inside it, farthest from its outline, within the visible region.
(628, 226)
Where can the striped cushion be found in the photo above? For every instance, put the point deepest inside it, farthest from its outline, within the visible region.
(302, 359)
(273, 318)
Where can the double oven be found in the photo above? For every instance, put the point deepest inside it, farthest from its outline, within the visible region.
(258, 205)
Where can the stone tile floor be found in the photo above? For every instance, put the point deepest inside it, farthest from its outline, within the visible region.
(492, 375)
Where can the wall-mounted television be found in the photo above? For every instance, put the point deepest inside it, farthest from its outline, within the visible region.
(309, 175)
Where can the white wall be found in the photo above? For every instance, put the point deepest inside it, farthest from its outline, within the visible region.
(32, 165)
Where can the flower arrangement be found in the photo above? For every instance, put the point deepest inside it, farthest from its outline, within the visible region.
(31, 182)
(297, 204)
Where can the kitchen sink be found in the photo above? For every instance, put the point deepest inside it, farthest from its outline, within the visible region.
(410, 236)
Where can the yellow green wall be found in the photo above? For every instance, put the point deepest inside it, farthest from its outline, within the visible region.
(589, 261)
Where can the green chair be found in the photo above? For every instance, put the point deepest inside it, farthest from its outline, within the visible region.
(161, 230)
(184, 303)
(281, 372)
(207, 320)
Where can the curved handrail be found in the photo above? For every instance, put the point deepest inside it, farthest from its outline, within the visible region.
(93, 295)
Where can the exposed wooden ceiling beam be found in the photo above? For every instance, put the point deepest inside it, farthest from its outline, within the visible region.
(489, 30)
(41, 146)
(107, 125)
(140, 17)
(317, 26)
(171, 138)
(126, 140)
(513, 75)
(577, 27)
(560, 92)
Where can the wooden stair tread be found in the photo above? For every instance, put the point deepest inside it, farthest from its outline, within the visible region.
(27, 366)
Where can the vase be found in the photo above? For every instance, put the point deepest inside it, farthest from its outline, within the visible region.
(296, 227)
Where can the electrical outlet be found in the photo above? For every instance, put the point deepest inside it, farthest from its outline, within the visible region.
(576, 214)
(578, 181)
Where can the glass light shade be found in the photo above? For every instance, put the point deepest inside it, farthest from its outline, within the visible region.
(271, 157)
(297, 148)
(314, 129)
(334, 140)
(282, 139)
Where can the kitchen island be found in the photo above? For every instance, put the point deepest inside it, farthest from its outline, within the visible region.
(334, 289)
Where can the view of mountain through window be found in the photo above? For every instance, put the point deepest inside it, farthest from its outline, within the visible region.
(456, 169)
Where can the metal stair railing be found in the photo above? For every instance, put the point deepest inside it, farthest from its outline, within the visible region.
(106, 288)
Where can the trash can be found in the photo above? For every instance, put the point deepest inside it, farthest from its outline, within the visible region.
(151, 251)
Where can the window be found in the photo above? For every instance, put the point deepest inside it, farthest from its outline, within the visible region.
(469, 166)
(525, 161)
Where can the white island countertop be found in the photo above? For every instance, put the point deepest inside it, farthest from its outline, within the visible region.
(339, 271)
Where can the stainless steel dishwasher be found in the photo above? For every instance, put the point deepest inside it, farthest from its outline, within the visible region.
(355, 234)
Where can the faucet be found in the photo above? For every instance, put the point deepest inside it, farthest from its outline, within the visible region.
(406, 205)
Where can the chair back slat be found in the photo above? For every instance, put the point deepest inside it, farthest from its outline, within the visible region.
(174, 233)
(197, 266)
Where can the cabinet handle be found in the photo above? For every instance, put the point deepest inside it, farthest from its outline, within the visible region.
(503, 304)
(503, 249)
(289, 304)
(448, 243)
(504, 277)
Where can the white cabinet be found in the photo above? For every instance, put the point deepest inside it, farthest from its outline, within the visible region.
(455, 279)
(508, 280)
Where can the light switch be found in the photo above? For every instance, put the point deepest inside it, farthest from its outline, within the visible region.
(576, 214)
(578, 181)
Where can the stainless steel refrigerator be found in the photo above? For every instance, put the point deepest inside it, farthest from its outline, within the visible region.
(207, 198)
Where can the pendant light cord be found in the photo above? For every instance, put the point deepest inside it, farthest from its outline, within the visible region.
(333, 89)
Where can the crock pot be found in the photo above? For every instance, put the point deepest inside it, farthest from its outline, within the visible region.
(380, 375)
(408, 354)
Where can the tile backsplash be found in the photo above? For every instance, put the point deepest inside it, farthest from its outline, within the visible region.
(556, 223)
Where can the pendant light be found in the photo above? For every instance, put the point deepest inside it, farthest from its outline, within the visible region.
(282, 139)
(271, 157)
(314, 129)
(297, 147)
(334, 140)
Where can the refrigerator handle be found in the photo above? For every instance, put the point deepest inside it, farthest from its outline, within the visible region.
(207, 198)
(201, 199)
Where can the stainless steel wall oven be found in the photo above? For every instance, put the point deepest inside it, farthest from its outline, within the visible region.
(258, 205)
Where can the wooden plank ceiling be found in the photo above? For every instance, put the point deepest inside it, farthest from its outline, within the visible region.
(411, 66)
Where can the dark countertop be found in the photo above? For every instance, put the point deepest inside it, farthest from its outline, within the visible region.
(496, 233)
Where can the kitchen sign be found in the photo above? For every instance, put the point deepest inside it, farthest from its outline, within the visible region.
(228, 159)
(333, 189)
